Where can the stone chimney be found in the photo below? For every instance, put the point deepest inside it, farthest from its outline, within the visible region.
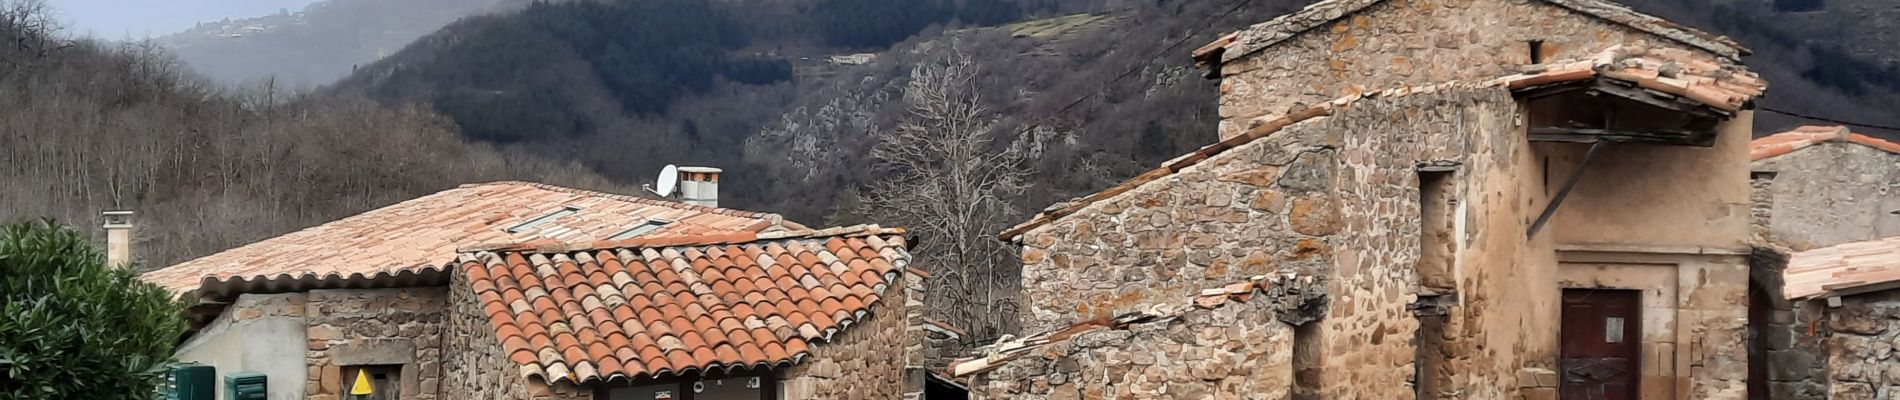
(700, 185)
(118, 237)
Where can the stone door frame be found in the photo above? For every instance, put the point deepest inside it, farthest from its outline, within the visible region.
(1665, 364)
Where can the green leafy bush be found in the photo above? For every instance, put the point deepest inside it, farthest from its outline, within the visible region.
(72, 327)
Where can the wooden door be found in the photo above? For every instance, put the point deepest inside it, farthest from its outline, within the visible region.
(1600, 339)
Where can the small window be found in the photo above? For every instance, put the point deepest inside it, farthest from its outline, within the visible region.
(1537, 51)
(380, 382)
(1613, 330)
(642, 229)
(537, 221)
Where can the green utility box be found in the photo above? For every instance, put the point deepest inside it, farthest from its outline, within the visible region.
(191, 382)
(246, 386)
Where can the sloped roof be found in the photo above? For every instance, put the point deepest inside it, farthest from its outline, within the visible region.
(1779, 144)
(414, 236)
(1843, 269)
(1266, 34)
(1679, 74)
(679, 305)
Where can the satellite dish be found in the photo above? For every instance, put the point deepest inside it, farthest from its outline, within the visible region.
(669, 179)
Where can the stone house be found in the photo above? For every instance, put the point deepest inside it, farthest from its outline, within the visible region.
(1495, 198)
(516, 290)
(1852, 291)
(1825, 185)
(1825, 197)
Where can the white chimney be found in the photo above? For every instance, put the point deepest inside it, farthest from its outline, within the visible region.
(118, 237)
(700, 185)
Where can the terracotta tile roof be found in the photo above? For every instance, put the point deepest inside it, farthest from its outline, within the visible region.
(425, 231)
(1010, 348)
(718, 302)
(1689, 77)
(1843, 269)
(1801, 137)
(1266, 34)
(1675, 72)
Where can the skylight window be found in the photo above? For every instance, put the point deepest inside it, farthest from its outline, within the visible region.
(642, 229)
(537, 221)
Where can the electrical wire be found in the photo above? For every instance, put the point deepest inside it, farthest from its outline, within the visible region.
(1832, 120)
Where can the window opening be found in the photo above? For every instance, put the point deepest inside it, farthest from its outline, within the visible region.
(550, 217)
(644, 228)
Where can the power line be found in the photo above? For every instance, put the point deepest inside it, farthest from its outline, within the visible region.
(1833, 120)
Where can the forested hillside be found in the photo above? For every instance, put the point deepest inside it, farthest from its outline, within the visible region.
(1081, 94)
(752, 87)
(795, 98)
(87, 126)
(318, 44)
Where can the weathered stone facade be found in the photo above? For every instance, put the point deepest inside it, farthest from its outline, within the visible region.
(1864, 347)
(1788, 349)
(1234, 344)
(361, 327)
(1821, 195)
(1414, 206)
(303, 341)
(1408, 43)
(1832, 193)
(876, 358)
(473, 363)
(1329, 197)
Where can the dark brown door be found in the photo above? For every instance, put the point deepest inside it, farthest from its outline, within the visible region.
(1601, 333)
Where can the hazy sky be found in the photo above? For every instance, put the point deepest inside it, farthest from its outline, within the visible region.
(115, 19)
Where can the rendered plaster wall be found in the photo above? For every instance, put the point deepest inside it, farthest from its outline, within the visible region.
(303, 340)
(877, 358)
(1408, 42)
(1670, 211)
(473, 364)
(1832, 193)
(257, 333)
(1674, 198)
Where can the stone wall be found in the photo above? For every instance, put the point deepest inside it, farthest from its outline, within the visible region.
(1240, 351)
(473, 364)
(1334, 197)
(350, 327)
(1864, 349)
(1408, 42)
(1788, 337)
(876, 358)
(1833, 193)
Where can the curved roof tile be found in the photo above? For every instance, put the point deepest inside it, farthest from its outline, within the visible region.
(707, 304)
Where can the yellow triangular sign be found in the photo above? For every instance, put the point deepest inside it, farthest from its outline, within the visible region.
(361, 388)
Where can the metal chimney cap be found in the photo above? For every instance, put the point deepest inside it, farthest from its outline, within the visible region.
(701, 170)
(118, 219)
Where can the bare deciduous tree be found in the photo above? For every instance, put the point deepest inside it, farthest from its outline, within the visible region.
(947, 177)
